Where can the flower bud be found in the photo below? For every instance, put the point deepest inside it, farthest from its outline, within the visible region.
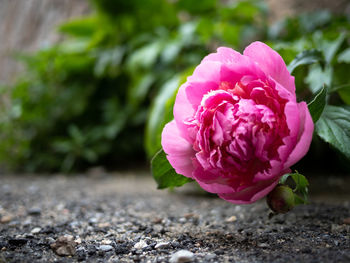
(281, 199)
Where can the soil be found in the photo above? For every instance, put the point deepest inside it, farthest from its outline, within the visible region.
(124, 218)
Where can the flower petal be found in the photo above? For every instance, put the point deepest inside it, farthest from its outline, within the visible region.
(196, 91)
(206, 70)
(224, 55)
(252, 193)
(179, 151)
(271, 63)
(182, 110)
(304, 137)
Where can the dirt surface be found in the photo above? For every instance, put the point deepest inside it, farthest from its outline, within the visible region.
(123, 218)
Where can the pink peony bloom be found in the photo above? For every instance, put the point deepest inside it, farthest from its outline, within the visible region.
(237, 126)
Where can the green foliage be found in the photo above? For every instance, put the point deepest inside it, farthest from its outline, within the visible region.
(321, 40)
(87, 100)
(334, 128)
(317, 105)
(161, 111)
(164, 174)
(306, 57)
(160, 114)
(301, 186)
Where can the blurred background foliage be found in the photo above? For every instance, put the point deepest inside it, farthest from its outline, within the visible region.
(103, 94)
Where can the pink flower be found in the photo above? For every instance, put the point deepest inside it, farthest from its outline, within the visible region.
(237, 126)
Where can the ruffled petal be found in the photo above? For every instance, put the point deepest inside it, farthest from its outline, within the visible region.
(271, 63)
(195, 92)
(215, 188)
(182, 111)
(206, 71)
(179, 151)
(234, 72)
(224, 55)
(293, 122)
(304, 138)
(252, 193)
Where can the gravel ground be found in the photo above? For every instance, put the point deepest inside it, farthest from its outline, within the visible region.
(123, 218)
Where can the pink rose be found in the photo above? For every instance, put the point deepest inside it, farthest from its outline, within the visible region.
(237, 126)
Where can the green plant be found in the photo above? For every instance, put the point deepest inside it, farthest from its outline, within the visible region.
(88, 99)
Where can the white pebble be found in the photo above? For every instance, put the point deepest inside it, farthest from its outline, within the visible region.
(161, 245)
(78, 240)
(182, 220)
(182, 256)
(106, 242)
(35, 230)
(105, 248)
(231, 219)
(141, 244)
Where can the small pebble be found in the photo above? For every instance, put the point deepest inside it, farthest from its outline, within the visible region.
(157, 220)
(182, 256)
(161, 245)
(175, 244)
(93, 220)
(78, 240)
(64, 246)
(50, 240)
(102, 225)
(105, 248)
(263, 245)
(231, 219)
(106, 242)
(35, 230)
(141, 244)
(6, 219)
(190, 215)
(182, 220)
(34, 211)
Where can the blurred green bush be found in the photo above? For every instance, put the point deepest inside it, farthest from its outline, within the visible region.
(103, 94)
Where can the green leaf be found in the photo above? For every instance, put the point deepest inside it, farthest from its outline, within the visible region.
(313, 20)
(81, 27)
(305, 58)
(339, 87)
(334, 128)
(344, 56)
(193, 7)
(139, 88)
(328, 47)
(317, 77)
(344, 94)
(161, 112)
(108, 61)
(76, 46)
(316, 106)
(298, 200)
(301, 186)
(164, 173)
(145, 57)
(301, 183)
